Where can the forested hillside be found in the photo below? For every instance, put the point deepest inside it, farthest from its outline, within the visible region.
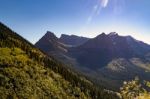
(27, 73)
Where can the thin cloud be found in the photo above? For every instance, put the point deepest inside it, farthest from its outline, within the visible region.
(104, 3)
(94, 11)
(97, 9)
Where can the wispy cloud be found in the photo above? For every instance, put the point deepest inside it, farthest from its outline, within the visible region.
(104, 3)
(118, 6)
(97, 9)
(94, 12)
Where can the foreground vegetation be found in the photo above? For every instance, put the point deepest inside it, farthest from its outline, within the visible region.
(24, 78)
(135, 90)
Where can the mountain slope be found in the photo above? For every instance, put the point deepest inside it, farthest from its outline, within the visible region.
(26, 72)
(49, 42)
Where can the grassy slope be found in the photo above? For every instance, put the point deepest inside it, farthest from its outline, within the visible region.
(24, 78)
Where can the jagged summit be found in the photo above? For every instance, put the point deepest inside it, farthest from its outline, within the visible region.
(100, 35)
(50, 35)
(113, 34)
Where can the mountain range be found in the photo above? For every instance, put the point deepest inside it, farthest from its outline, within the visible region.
(107, 59)
(28, 73)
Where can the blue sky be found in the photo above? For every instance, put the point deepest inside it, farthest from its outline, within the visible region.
(32, 18)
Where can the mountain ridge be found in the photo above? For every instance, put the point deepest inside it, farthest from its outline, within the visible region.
(73, 40)
(105, 53)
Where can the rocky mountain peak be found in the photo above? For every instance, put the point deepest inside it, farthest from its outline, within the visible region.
(113, 34)
(50, 35)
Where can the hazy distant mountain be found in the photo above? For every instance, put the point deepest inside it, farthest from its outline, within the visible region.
(72, 40)
(109, 58)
